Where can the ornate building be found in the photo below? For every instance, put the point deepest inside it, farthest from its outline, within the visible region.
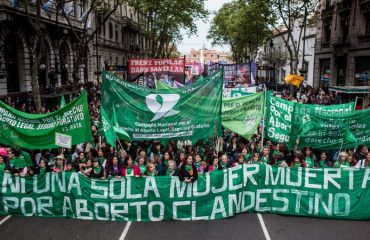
(119, 38)
(342, 54)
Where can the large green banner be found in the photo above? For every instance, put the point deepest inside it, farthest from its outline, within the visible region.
(333, 131)
(243, 115)
(285, 119)
(324, 193)
(187, 113)
(41, 131)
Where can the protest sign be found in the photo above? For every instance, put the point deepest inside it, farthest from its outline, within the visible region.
(192, 112)
(63, 140)
(37, 131)
(243, 115)
(167, 70)
(324, 193)
(324, 131)
(286, 119)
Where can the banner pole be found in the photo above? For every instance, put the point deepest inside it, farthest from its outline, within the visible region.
(264, 120)
(120, 143)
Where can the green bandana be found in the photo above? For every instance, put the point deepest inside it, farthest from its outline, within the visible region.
(246, 157)
(42, 170)
(309, 162)
(152, 174)
(322, 163)
(2, 167)
(169, 173)
(222, 164)
(20, 162)
(97, 169)
(128, 171)
(264, 160)
(188, 168)
(297, 165)
(142, 169)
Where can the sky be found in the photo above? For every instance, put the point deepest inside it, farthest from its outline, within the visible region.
(203, 27)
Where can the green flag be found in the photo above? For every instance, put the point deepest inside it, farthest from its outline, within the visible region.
(120, 132)
(243, 115)
(330, 132)
(107, 128)
(160, 85)
(62, 102)
(185, 113)
(39, 131)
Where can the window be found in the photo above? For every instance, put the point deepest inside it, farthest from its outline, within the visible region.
(327, 33)
(345, 29)
(367, 28)
(110, 30)
(116, 33)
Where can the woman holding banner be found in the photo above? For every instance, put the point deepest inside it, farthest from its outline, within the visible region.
(188, 172)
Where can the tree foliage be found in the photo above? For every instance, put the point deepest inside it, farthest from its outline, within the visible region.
(290, 14)
(165, 20)
(243, 26)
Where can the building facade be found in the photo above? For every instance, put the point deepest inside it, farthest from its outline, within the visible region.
(342, 54)
(273, 57)
(208, 56)
(119, 39)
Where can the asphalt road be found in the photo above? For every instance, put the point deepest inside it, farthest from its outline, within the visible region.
(243, 226)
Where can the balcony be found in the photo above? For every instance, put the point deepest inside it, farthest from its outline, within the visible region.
(327, 13)
(325, 44)
(344, 8)
(364, 38)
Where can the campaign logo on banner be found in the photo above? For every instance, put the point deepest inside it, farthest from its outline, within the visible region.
(167, 70)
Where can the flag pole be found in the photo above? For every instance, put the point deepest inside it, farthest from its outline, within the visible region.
(120, 143)
(264, 121)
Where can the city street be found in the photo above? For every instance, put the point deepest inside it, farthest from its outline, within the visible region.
(243, 226)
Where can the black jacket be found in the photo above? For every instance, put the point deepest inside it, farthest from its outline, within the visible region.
(185, 174)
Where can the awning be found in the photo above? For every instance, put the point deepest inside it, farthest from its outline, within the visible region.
(350, 89)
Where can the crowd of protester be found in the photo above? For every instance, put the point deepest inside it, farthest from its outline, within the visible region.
(184, 159)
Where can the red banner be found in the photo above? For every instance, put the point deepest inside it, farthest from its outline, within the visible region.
(171, 65)
(168, 70)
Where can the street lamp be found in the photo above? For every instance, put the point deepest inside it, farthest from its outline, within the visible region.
(42, 66)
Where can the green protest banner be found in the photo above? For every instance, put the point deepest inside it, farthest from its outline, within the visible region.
(324, 193)
(37, 131)
(107, 128)
(186, 113)
(243, 115)
(334, 132)
(159, 85)
(286, 119)
(279, 118)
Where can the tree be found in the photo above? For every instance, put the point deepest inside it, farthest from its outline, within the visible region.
(166, 19)
(82, 37)
(291, 14)
(242, 25)
(36, 45)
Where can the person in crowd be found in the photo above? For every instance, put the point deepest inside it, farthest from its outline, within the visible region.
(113, 168)
(81, 160)
(43, 167)
(309, 157)
(266, 157)
(361, 152)
(160, 166)
(122, 155)
(246, 154)
(239, 160)
(16, 163)
(181, 158)
(101, 159)
(199, 164)
(232, 148)
(156, 151)
(342, 161)
(298, 161)
(2, 164)
(279, 160)
(224, 163)
(166, 157)
(188, 172)
(256, 158)
(70, 167)
(253, 148)
(129, 168)
(213, 164)
(86, 169)
(151, 170)
(60, 166)
(323, 161)
(364, 163)
(97, 171)
(142, 165)
(172, 168)
(351, 159)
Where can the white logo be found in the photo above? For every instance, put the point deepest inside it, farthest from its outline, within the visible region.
(163, 109)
